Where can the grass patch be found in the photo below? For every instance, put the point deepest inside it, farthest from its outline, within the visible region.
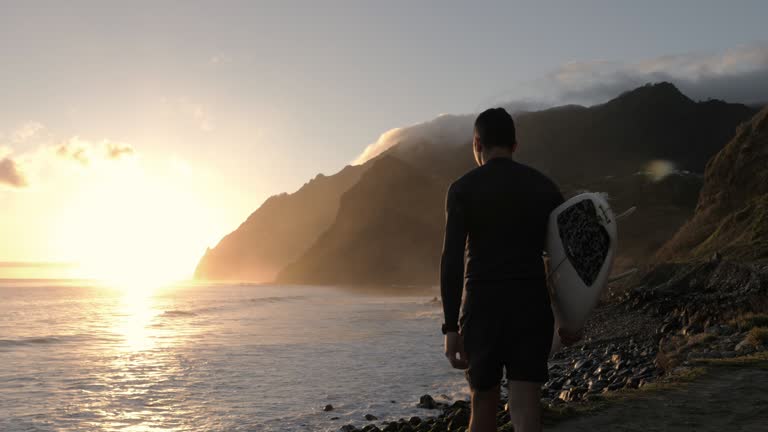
(679, 379)
(758, 336)
(757, 360)
(750, 321)
(552, 415)
(701, 338)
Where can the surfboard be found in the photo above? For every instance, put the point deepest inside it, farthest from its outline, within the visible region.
(581, 245)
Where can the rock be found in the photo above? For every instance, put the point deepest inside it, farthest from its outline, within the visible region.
(371, 428)
(328, 407)
(633, 382)
(692, 329)
(644, 372)
(347, 428)
(391, 427)
(371, 417)
(427, 402)
(460, 418)
(582, 363)
(743, 346)
(334, 418)
(597, 385)
(414, 421)
(554, 384)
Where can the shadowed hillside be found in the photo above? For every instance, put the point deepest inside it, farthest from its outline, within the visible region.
(279, 231)
(385, 232)
(380, 235)
(732, 213)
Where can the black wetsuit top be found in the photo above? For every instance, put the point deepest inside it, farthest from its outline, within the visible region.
(498, 213)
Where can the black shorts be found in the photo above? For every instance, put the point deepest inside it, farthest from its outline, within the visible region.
(510, 327)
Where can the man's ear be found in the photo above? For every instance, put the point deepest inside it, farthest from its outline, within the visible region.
(477, 145)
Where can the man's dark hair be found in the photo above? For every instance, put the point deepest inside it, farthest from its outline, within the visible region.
(496, 128)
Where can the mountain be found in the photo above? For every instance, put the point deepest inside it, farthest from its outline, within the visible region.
(662, 206)
(387, 231)
(731, 216)
(279, 231)
(574, 143)
(388, 227)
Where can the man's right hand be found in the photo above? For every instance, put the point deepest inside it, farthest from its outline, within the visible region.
(454, 350)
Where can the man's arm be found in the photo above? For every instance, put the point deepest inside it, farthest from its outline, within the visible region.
(452, 262)
(452, 277)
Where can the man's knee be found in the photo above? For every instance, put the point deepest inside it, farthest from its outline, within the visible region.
(486, 394)
(523, 396)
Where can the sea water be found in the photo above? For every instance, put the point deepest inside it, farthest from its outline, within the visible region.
(78, 356)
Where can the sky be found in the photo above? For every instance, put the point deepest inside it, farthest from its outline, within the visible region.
(131, 132)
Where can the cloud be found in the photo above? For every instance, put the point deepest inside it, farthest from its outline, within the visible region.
(75, 149)
(10, 174)
(115, 150)
(219, 59)
(446, 128)
(26, 132)
(736, 75)
(195, 111)
(84, 152)
(201, 115)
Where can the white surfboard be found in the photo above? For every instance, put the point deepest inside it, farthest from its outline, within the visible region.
(581, 244)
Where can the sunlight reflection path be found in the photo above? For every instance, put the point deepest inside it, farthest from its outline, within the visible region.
(146, 373)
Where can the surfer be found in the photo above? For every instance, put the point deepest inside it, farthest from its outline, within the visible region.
(497, 215)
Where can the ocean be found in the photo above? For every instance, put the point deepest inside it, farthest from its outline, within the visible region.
(77, 356)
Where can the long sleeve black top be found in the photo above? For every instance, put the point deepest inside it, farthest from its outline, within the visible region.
(497, 214)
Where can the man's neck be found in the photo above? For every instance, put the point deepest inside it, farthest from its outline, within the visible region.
(496, 153)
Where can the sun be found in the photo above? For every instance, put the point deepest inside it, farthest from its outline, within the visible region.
(133, 231)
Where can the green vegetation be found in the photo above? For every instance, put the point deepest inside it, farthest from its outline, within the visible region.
(742, 234)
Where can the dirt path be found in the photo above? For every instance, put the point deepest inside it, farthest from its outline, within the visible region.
(725, 399)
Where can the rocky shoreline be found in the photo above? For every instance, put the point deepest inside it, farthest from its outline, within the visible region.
(651, 328)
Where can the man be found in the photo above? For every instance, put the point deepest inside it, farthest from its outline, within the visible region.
(498, 214)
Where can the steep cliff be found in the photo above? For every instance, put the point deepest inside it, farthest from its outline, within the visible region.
(731, 216)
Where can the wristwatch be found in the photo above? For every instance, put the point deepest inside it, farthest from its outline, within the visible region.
(445, 328)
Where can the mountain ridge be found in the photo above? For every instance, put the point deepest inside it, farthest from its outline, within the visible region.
(652, 122)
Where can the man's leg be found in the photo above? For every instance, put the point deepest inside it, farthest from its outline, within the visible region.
(484, 406)
(524, 406)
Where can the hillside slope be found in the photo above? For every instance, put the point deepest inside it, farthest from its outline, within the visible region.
(279, 231)
(731, 217)
(387, 231)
